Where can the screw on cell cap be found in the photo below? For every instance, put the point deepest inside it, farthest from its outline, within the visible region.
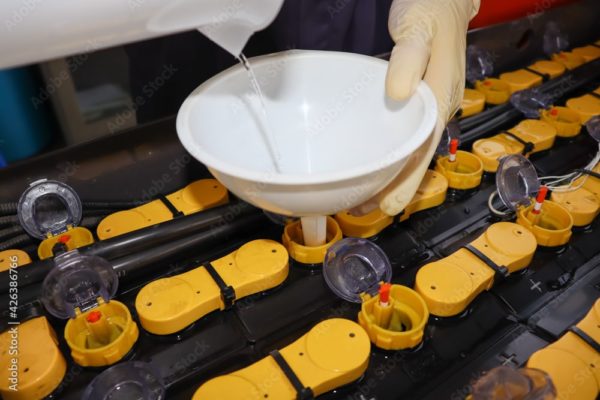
(531, 101)
(355, 266)
(516, 181)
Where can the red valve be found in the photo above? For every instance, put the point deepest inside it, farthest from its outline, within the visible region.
(94, 316)
(64, 239)
(384, 293)
(541, 196)
(554, 112)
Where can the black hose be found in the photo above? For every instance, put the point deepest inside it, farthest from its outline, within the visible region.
(199, 244)
(11, 232)
(15, 242)
(8, 208)
(474, 120)
(110, 205)
(141, 239)
(9, 220)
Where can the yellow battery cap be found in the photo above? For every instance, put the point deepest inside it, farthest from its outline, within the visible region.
(197, 196)
(99, 331)
(566, 121)
(13, 258)
(473, 102)
(529, 136)
(50, 211)
(521, 79)
(393, 316)
(551, 68)
(463, 173)
(293, 240)
(552, 228)
(583, 203)
(334, 353)
(588, 53)
(449, 285)
(32, 364)
(170, 304)
(568, 59)
(495, 90)
(431, 193)
(572, 361)
(587, 106)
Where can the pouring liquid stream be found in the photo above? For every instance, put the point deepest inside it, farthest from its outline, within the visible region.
(267, 132)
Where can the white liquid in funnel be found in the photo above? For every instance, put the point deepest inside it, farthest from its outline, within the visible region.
(266, 131)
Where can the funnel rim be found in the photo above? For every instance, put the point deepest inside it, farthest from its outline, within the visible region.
(417, 138)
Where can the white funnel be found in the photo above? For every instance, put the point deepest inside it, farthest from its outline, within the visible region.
(340, 138)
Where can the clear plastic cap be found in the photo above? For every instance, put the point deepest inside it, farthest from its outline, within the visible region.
(516, 181)
(530, 102)
(555, 40)
(506, 383)
(133, 380)
(593, 127)
(48, 207)
(353, 266)
(77, 281)
(480, 64)
(452, 131)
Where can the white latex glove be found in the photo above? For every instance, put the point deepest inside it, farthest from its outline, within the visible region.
(430, 38)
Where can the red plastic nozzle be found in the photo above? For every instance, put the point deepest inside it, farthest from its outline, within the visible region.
(384, 293)
(541, 196)
(94, 316)
(554, 112)
(64, 239)
(453, 146)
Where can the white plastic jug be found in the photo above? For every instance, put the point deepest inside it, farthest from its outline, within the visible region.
(34, 31)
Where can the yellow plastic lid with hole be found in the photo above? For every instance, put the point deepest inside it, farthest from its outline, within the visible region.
(520, 79)
(569, 60)
(554, 225)
(566, 121)
(31, 361)
(197, 196)
(495, 90)
(551, 68)
(293, 240)
(588, 53)
(334, 353)
(13, 258)
(473, 102)
(583, 205)
(587, 106)
(464, 173)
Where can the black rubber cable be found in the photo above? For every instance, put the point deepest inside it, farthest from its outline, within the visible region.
(15, 243)
(130, 266)
(142, 239)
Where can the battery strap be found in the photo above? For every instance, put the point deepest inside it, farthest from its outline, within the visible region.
(500, 270)
(586, 338)
(227, 292)
(176, 213)
(303, 393)
(596, 95)
(544, 77)
(528, 145)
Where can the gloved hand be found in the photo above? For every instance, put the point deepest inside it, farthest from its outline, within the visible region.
(430, 37)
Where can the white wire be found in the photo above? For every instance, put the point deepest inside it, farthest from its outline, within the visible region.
(556, 186)
(493, 209)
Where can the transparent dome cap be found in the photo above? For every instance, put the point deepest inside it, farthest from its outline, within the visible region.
(353, 266)
(516, 181)
(530, 102)
(133, 380)
(593, 127)
(452, 131)
(77, 281)
(479, 64)
(554, 40)
(48, 207)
